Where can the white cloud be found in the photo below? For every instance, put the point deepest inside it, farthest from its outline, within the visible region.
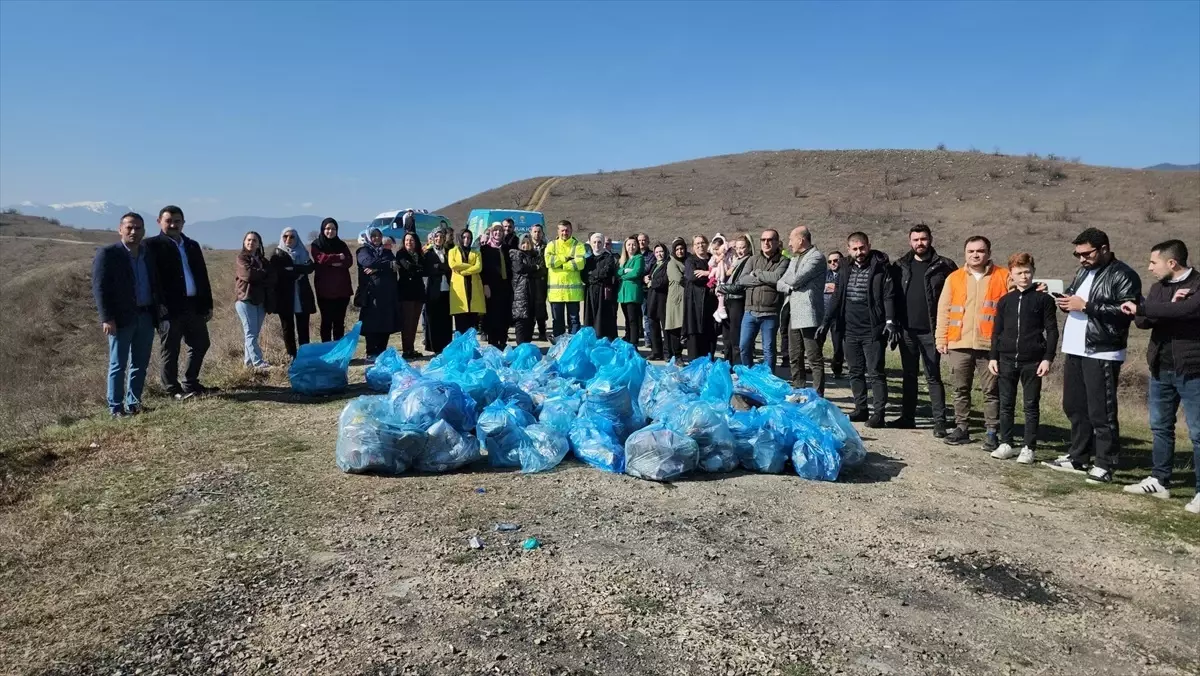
(306, 205)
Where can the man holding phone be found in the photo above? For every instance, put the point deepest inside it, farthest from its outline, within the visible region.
(1172, 313)
(1094, 340)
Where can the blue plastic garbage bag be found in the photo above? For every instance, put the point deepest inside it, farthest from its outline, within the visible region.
(386, 366)
(559, 410)
(446, 449)
(522, 357)
(501, 430)
(770, 441)
(491, 356)
(513, 393)
(594, 442)
(760, 384)
(370, 442)
(815, 455)
(430, 401)
(478, 380)
(693, 376)
(623, 370)
(320, 368)
(718, 384)
(546, 448)
(462, 348)
(659, 453)
(831, 419)
(661, 391)
(602, 354)
(616, 406)
(705, 424)
(575, 361)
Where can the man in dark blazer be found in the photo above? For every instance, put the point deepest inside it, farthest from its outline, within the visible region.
(123, 284)
(186, 298)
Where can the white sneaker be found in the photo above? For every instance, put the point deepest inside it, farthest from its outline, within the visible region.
(1026, 456)
(1149, 486)
(1004, 452)
(1063, 464)
(1098, 475)
(1194, 505)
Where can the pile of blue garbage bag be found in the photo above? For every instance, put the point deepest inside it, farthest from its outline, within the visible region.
(595, 399)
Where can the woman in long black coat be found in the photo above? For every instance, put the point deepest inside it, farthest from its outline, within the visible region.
(379, 307)
(497, 288)
(699, 301)
(526, 285)
(600, 289)
(437, 293)
(294, 299)
(657, 285)
(410, 277)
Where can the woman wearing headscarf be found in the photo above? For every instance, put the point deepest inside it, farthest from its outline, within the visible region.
(467, 300)
(253, 291)
(497, 287)
(527, 265)
(599, 280)
(376, 298)
(632, 291)
(410, 280)
(331, 277)
(676, 290)
(656, 299)
(437, 293)
(700, 301)
(294, 301)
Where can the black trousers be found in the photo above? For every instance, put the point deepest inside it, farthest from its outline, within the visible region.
(633, 323)
(785, 320)
(523, 328)
(804, 350)
(1090, 402)
(437, 312)
(465, 321)
(699, 345)
(919, 350)
(376, 343)
(1024, 372)
(540, 309)
(189, 328)
(295, 330)
(735, 308)
(839, 349)
(864, 361)
(674, 339)
(656, 338)
(333, 317)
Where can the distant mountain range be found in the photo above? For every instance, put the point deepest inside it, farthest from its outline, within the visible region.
(225, 233)
(1174, 167)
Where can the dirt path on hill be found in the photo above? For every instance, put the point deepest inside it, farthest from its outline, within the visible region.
(219, 537)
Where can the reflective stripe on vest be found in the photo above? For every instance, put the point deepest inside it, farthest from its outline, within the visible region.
(986, 317)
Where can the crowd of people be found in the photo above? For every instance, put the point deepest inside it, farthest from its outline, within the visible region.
(719, 294)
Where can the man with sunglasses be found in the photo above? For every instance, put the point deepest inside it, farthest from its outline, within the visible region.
(1094, 340)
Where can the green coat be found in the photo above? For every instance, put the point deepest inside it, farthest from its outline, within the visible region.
(633, 286)
(674, 295)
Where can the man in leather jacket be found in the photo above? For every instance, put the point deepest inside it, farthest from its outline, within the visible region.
(920, 275)
(1094, 340)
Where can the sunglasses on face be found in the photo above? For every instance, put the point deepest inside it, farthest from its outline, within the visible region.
(1085, 254)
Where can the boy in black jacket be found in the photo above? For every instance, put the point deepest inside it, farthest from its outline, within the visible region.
(1024, 336)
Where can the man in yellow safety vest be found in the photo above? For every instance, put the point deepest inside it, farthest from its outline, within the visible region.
(565, 257)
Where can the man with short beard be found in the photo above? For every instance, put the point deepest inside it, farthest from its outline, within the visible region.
(920, 274)
(1172, 313)
(1094, 339)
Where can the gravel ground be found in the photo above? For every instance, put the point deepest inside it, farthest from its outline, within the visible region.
(929, 560)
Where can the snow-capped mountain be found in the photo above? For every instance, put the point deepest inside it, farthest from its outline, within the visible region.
(80, 214)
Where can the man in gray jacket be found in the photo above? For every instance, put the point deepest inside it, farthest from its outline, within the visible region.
(763, 298)
(804, 284)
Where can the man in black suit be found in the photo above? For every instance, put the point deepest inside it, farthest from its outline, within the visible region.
(123, 284)
(187, 302)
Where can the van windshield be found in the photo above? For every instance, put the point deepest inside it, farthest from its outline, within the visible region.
(382, 223)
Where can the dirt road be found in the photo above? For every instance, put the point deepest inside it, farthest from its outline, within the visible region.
(218, 537)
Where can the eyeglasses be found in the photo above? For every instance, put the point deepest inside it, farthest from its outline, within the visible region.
(1085, 254)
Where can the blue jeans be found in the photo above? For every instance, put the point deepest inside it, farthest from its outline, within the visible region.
(1167, 391)
(565, 317)
(645, 326)
(252, 320)
(128, 357)
(750, 327)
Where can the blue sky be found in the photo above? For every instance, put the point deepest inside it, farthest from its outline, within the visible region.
(354, 108)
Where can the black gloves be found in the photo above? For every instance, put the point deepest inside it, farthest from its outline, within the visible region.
(891, 335)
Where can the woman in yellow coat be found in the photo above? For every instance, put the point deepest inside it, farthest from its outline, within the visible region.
(466, 286)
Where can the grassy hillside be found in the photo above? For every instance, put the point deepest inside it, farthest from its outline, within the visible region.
(1032, 203)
